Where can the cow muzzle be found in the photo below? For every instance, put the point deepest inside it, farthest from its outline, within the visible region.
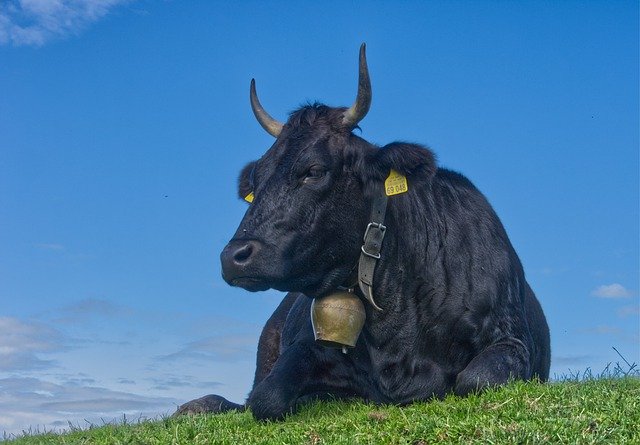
(239, 259)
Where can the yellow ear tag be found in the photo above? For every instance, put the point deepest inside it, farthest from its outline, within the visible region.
(249, 198)
(395, 184)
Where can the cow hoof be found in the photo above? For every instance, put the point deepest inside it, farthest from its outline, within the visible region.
(211, 404)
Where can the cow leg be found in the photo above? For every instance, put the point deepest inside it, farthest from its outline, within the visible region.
(495, 365)
(277, 393)
(303, 372)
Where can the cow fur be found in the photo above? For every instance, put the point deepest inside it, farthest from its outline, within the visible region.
(458, 315)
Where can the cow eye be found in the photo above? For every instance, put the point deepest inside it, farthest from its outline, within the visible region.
(313, 174)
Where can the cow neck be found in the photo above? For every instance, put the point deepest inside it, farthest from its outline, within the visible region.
(370, 250)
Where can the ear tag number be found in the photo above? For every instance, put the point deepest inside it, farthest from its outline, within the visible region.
(249, 198)
(395, 184)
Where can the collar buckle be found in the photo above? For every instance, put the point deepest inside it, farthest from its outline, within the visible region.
(373, 237)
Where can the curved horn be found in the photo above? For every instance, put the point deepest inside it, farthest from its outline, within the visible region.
(272, 126)
(363, 101)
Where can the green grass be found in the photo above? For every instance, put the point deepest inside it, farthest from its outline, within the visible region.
(605, 410)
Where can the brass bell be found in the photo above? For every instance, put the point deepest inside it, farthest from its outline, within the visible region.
(337, 319)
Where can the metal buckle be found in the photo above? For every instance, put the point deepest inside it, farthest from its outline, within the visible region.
(380, 226)
(374, 225)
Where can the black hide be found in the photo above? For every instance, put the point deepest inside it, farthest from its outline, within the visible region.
(458, 314)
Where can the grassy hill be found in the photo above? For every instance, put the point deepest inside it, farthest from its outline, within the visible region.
(603, 410)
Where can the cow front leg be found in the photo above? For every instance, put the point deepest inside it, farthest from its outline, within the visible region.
(276, 394)
(494, 366)
(303, 372)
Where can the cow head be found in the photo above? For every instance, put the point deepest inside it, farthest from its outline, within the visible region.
(311, 196)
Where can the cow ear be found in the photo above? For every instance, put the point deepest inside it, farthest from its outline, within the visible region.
(414, 161)
(411, 160)
(245, 182)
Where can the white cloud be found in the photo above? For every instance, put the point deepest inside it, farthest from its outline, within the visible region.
(34, 22)
(614, 290)
(94, 376)
(48, 406)
(22, 342)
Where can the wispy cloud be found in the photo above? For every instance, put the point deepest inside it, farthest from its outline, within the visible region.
(627, 311)
(124, 381)
(224, 348)
(89, 308)
(37, 391)
(618, 333)
(604, 330)
(34, 22)
(78, 379)
(46, 405)
(184, 381)
(614, 290)
(21, 344)
(570, 360)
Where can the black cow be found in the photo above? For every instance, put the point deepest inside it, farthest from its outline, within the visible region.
(447, 305)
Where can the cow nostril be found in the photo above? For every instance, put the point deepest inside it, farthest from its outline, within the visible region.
(243, 254)
(237, 257)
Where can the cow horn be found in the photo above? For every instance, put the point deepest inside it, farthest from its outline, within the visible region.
(363, 101)
(272, 126)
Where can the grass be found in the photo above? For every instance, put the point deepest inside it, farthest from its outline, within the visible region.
(575, 410)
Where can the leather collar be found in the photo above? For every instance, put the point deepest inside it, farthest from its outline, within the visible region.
(370, 250)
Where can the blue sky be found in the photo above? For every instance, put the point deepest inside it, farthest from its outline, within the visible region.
(124, 124)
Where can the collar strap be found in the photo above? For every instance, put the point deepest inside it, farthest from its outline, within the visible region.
(370, 254)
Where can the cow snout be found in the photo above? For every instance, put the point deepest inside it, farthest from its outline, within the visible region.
(242, 254)
(237, 258)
